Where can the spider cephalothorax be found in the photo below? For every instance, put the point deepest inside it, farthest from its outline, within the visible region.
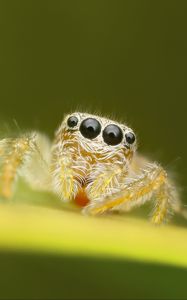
(86, 146)
(92, 162)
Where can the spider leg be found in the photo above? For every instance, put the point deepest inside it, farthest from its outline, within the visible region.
(67, 172)
(151, 181)
(23, 157)
(104, 181)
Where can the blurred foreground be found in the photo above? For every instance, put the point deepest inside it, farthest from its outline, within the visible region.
(51, 251)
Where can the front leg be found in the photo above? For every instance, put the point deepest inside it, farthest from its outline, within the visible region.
(151, 182)
(63, 176)
(104, 181)
(67, 172)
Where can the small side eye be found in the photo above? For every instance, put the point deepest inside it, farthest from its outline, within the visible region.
(130, 137)
(90, 128)
(72, 121)
(112, 135)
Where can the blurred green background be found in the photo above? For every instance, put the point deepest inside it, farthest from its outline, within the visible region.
(121, 58)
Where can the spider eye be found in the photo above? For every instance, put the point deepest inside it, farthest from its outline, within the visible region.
(112, 135)
(90, 128)
(72, 121)
(130, 137)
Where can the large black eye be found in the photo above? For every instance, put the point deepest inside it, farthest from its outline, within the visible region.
(112, 135)
(72, 121)
(130, 137)
(90, 128)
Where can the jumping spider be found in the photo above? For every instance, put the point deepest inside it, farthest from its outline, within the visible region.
(92, 162)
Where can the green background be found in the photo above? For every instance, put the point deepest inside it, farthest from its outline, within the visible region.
(122, 58)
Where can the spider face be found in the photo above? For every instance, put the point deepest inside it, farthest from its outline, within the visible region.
(98, 137)
(86, 147)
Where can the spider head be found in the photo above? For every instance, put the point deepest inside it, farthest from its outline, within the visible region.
(98, 137)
